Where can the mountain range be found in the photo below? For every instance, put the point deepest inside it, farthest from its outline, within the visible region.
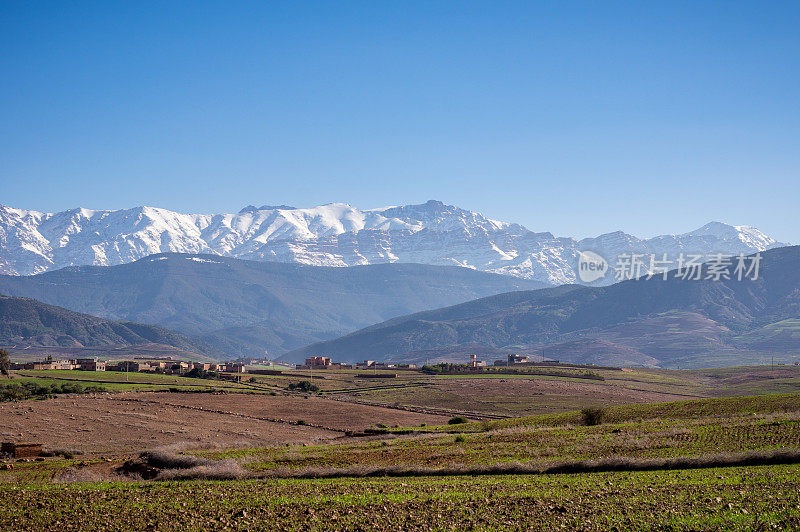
(249, 308)
(672, 322)
(335, 234)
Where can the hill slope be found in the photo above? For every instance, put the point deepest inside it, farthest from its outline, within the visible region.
(335, 234)
(247, 307)
(26, 323)
(656, 321)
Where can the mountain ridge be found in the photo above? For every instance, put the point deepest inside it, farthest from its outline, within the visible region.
(648, 322)
(335, 234)
(246, 307)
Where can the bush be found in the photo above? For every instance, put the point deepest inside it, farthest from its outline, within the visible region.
(198, 373)
(304, 386)
(301, 422)
(459, 438)
(68, 454)
(33, 390)
(458, 420)
(592, 416)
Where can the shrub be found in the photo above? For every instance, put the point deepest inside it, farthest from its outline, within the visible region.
(33, 390)
(459, 438)
(199, 373)
(301, 422)
(457, 420)
(304, 386)
(592, 416)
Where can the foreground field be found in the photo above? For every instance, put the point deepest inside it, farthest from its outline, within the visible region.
(333, 460)
(747, 498)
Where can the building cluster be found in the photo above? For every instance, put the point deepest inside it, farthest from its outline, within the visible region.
(159, 365)
(327, 363)
(83, 364)
(515, 359)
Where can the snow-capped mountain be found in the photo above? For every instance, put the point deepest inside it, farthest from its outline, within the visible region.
(335, 234)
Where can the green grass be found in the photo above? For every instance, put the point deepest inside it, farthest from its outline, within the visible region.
(695, 408)
(120, 381)
(743, 498)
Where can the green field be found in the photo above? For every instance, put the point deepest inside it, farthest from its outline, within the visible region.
(688, 428)
(121, 381)
(746, 498)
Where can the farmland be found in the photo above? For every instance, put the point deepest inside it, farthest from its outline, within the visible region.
(748, 498)
(678, 442)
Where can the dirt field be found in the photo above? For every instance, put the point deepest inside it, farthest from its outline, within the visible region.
(130, 422)
(520, 396)
(316, 411)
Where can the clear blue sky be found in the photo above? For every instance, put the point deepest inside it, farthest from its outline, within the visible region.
(573, 117)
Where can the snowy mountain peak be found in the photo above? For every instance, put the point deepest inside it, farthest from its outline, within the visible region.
(335, 234)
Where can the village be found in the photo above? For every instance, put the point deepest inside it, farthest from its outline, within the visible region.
(171, 366)
(165, 365)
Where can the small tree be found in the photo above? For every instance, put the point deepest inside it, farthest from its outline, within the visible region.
(5, 362)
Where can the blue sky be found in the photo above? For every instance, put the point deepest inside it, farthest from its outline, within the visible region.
(572, 117)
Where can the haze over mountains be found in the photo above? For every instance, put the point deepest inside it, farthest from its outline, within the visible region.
(28, 324)
(335, 234)
(673, 322)
(248, 308)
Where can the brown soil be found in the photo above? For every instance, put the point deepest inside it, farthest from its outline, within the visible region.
(316, 411)
(521, 396)
(132, 422)
(522, 388)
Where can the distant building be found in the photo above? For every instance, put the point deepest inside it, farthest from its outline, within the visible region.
(90, 364)
(230, 368)
(517, 359)
(50, 364)
(475, 363)
(21, 450)
(318, 362)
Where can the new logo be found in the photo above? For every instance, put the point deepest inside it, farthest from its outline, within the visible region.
(591, 266)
